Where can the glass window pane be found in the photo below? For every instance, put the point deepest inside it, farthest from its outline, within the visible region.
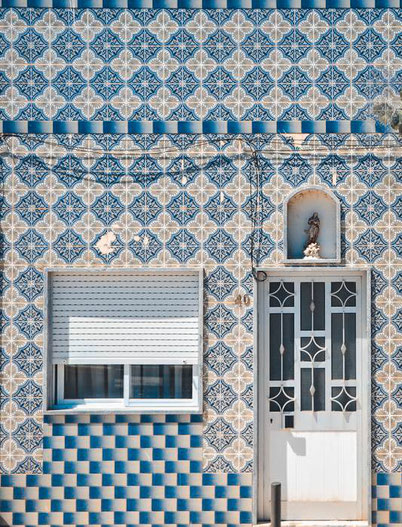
(343, 399)
(93, 382)
(349, 349)
(313, 390)
(287, 330)
(281, 294)
(312, 305)
(161, 382)
(343, 294)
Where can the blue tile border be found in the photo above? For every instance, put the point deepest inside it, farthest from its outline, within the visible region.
(190, 127)
(204, 4)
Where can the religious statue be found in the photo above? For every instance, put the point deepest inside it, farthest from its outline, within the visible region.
(312, 248)
(314, 229)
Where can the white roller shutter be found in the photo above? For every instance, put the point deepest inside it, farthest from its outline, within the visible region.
(125, 317)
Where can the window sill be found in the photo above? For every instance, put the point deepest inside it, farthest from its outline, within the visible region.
(121, 410)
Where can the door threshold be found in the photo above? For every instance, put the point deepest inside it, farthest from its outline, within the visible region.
(320, 523)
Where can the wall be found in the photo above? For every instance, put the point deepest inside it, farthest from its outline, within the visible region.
(63, 192)
(197, 65)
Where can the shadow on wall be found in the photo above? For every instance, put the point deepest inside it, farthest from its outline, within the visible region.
(3, 523)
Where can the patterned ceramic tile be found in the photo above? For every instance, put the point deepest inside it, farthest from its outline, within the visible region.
(188, 217)
(163, 120)
(232, 65)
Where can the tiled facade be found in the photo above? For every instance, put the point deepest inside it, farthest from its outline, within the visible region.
(197, 65)
(185, 199)
(126, 471)
(387, 498)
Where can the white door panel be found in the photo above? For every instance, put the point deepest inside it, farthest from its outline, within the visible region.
(320, 466)
(311, 396)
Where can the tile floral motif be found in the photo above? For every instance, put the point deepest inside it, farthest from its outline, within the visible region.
(29, 359)
(145, 208)
(30, 283)
(183, 245)
(107, 208)
(31, 208)
(29, 435)
(30, 321)
(220, 396)
(31, 246)
(220, 283)
(29, 397)
(145, 251)
(69, 246)
(219, 358)
(69, 208)
(220, 320)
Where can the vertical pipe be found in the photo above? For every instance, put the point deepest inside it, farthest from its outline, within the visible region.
(275, 504)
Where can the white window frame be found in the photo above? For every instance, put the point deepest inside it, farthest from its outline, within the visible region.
(54, 398)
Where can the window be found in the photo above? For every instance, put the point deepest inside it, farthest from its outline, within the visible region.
(121, 340)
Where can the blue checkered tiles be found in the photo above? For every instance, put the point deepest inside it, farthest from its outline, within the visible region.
(387, 499)
(153, 499)
(127, 471)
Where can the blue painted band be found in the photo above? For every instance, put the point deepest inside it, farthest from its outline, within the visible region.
(191, 127)
(204, 4)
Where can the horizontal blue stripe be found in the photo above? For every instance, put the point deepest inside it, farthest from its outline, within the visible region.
(190, 127)
(204, 4)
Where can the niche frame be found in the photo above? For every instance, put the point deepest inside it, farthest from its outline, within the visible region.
(335, 232)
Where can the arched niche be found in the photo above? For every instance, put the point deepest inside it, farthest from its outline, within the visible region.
(299, 207)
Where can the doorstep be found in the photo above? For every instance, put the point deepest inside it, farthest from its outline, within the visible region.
(331, 523)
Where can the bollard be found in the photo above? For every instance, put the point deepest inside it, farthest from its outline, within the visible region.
(275, 504)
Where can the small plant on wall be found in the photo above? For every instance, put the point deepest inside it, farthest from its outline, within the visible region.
(390, 113)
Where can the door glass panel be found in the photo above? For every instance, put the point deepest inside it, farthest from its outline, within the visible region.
(281, 294)
(312, 349)
(312, 389)
(281, 399)
(343, 345)
(281, 348)
(343, 399)
(312, 306)
(312, 357)
(343, 294)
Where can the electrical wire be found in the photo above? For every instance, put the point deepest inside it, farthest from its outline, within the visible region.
(250, 151)
(255, 210)
(288, 140)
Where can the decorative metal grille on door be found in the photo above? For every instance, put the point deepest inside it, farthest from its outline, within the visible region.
(312, 345)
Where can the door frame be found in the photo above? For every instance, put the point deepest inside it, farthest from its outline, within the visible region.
(365, 452)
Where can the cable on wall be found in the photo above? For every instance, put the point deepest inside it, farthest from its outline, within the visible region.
(250, 152)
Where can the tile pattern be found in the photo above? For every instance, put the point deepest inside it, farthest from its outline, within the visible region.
(125, 470)
(186, 65)
(186, 200)
(145, 95)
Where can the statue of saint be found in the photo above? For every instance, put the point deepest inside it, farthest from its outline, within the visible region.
(313, 230)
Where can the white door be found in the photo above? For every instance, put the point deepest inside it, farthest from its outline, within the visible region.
(312, 396)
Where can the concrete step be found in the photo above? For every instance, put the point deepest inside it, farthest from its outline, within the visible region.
(332, 523)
